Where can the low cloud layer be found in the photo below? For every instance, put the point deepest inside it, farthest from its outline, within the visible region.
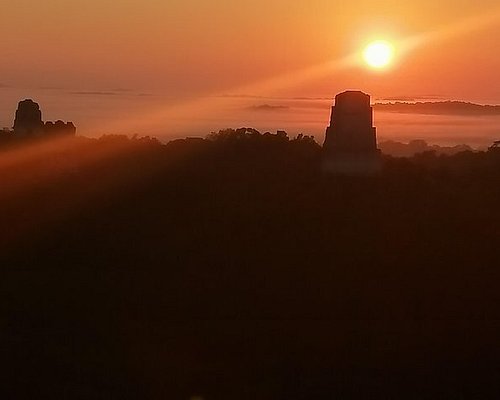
(268, 107)
(457, 108)
(95, 93)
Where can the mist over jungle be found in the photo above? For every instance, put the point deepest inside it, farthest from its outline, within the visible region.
(167, 117)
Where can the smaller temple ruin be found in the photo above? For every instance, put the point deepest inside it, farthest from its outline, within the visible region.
(28, 123)
(350, 146)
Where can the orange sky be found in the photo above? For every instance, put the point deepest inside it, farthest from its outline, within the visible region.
(149, 65)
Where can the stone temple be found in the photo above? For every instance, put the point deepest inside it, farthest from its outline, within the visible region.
(28, 122)
(350, 146)
(28, 119)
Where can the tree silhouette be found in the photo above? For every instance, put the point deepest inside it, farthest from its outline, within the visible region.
(232, 267)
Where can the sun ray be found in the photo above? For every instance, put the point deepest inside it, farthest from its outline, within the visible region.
(212, 103)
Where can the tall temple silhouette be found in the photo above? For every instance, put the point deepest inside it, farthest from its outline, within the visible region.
(28, 119)
(28, 122)
(350, 146)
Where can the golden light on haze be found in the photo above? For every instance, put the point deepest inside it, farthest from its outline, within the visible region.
(379, 54)
(170, 69)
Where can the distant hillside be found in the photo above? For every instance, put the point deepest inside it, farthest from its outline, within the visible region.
(439, 108)
(398, 149)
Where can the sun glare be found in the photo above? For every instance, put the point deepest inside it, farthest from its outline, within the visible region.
(378, 54)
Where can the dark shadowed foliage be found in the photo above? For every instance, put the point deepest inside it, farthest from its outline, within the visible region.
(416, 146)
(231, 268)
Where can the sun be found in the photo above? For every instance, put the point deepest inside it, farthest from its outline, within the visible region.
(379, 54)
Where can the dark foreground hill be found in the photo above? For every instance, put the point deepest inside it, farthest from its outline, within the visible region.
(232, 268)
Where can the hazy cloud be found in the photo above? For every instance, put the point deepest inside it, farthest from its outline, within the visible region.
(312, 98)
(95, 93)
(412, 99)
(243, 96)
(121, 90)
(397, 99)
(268, 107)
(251, 96)
(439, 108)
(114, 92)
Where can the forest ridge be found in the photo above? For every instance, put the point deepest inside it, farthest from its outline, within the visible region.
(235, 250)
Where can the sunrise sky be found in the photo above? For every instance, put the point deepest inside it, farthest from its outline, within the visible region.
(175, 68)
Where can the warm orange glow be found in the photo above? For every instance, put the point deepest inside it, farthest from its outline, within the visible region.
(164, 68)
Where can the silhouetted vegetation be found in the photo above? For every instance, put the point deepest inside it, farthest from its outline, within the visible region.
(417, 146)
(231, 267)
